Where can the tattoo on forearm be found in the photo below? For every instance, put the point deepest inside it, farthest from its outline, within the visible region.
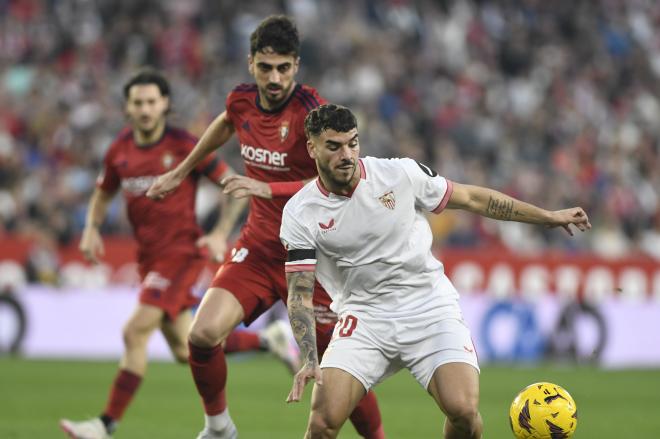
(502, 209)
(301, 313)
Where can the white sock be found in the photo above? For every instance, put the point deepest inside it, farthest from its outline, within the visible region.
(218, 422)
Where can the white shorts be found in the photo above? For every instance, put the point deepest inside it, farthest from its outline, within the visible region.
(371, 349)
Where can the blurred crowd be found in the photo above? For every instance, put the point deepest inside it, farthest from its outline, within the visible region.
(554, 102)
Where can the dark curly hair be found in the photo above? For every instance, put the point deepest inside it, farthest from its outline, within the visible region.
(278, 32)
(329, 116)
(145, 76)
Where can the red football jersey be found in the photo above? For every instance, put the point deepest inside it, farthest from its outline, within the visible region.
(166, 226)
(273, 147)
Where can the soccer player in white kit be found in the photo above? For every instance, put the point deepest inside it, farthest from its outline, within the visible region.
(359, 228)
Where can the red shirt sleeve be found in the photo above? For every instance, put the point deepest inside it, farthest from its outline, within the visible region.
(213, 167)
(320, 99)
(228, 108)
(108, 180)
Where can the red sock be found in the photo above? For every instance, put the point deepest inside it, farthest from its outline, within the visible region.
(123, 389)
(241, 341)
(209, 370)
(366, 418)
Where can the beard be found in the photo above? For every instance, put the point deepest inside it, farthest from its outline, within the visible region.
(147, 128)
(339, 180)
(275, 101)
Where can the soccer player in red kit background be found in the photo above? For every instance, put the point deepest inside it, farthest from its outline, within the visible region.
(169, 240)
(268, 118)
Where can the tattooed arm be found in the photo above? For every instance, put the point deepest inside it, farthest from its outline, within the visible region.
(301, 313)
(494, 204)
(303, 324)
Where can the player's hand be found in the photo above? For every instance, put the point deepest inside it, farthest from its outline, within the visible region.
(91, 244)
(300, 380)
(564, 218)
(164, 185)
(215, 243)
(240, 186)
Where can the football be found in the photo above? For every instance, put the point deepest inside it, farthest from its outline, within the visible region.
(543, 411)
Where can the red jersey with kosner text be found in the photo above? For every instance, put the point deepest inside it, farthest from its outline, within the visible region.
(273, 147)
(166, 226)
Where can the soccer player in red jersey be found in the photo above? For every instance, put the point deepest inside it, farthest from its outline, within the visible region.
(268, 118)
(169, 239)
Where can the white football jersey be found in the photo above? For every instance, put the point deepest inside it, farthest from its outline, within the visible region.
(371, 250)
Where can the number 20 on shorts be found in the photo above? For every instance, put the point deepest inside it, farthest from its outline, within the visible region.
(347, 325)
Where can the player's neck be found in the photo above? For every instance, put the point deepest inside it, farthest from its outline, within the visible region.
(148, 138)
(343, 190)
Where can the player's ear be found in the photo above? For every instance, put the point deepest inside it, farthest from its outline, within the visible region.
(251, 64)
(296, 65)
(310, 149)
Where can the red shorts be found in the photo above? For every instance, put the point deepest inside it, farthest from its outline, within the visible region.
(170, 284)
(258, 282)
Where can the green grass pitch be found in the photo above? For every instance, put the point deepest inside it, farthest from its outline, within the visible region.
(35, 394)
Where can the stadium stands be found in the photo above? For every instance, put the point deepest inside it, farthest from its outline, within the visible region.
(553, 102)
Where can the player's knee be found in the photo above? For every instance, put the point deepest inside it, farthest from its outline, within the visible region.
(465, 417)
(205, 335)
(134, 336)
(324, 425)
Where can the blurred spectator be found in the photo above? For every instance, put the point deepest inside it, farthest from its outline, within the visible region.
(555, 102)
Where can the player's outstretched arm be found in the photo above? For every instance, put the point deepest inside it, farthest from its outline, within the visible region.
(91, 244)
(493, 204)
(240, 186)
(216, 135)
(303, 323)
(230, 211)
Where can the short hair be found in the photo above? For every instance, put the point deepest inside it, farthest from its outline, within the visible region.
(329, 117)
(146, 76)
(278, 32)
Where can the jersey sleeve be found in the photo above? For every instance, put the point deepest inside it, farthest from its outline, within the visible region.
(316, 97)
(299, 243)
(229, 111)
(432, 191)
(310, 99)
(212, 167)
(108, 180)
(232, 98)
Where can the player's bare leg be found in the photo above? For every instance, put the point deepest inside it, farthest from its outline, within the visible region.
(218, 314)
(275, 338)
(137, 331)
(365, 417)
(455, 387)
(132, 367)
(176, 334)
(332, 403)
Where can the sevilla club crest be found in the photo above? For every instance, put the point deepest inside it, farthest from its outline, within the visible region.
(284, 130)
(388, 200)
